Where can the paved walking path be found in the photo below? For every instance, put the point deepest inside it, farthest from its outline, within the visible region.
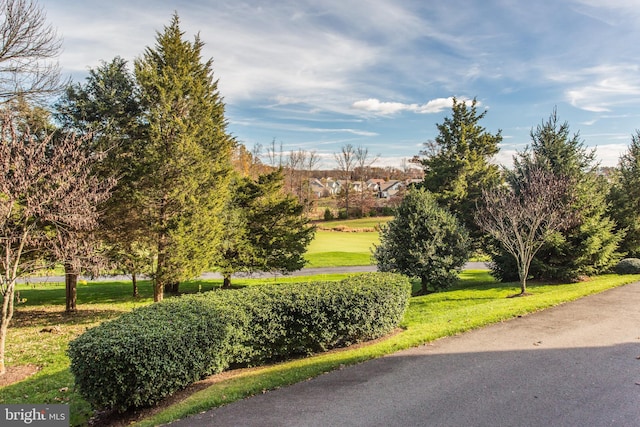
(573, 365)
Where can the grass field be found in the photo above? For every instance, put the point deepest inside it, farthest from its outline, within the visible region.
(476, 301)
(339, 249)
(333, 248)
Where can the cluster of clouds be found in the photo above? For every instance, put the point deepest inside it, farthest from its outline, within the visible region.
(298, 69)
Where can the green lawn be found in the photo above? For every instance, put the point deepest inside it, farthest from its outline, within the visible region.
(339, 249)
(477, 300)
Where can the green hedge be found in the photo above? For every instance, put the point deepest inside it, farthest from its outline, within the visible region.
(628, 266)
(151, 352)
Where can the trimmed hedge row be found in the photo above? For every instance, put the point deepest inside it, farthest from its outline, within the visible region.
(151, 352)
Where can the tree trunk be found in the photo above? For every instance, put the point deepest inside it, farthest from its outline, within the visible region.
(523, 273)
(159, 283)
(424, 283)
(71, 286)
(134, 280)
(172, 288)
(7, 314)
(226, 281)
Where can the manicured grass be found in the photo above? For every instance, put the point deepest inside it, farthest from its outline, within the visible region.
(477, 300)
(339, 249)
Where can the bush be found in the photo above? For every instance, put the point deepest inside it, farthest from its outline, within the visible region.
(151, 352)
(328, 215)
(423, 240)
(628, 266)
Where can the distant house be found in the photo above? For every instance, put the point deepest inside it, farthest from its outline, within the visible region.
(374, 184)
(332, 187)
(317, 187)
(390, 189)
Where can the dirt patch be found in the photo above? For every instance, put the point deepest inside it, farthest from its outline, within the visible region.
(17, 373)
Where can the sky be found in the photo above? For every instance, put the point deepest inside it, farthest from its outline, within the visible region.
(381, 74)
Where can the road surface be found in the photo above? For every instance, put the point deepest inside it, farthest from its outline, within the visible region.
(303, 272)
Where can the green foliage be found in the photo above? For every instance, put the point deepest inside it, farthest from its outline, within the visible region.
(328, 215)
(588, 247)
(628, 266)
(457, 164)
(151, 352)
(625, 197)
(423, 240)
(265, 229)
(185, 163)
(107, 105)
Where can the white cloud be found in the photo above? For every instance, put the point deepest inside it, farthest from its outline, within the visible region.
(609, 154)
(602, 88)
(375, 106)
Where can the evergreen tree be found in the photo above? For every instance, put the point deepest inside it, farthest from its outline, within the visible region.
(186, 160)
(625, 197)
(265, 229)
(108, 107)
(590, 245)
(457, 164)
(423, 240)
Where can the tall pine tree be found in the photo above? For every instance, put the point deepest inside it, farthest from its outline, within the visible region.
(186, 161)
(108, 107)
(457, 164)
(625, 197)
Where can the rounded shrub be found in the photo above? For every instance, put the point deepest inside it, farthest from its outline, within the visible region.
(628, 266)
(151, 352)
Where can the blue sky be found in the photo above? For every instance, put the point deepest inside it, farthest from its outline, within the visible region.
(317, 75)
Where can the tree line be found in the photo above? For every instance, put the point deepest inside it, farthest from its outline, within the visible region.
(550, 216)
(130, 169)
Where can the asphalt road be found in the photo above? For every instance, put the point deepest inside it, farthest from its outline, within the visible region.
(573, 365)
(303, 272)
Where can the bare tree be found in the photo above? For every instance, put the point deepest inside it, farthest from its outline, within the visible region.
(29, 46)
(311, 162)
(346, 160)
(47, 193)
(524, 215)
(363, 166)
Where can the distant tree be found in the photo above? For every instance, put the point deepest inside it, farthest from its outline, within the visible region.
(523, 216)
(185, 162)
(265, 229)
(423, 240)
(364, 161)
(48, 195)
(29, 48)
(346, 160)
(457, 164)
(624, 198)
(590, 245)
